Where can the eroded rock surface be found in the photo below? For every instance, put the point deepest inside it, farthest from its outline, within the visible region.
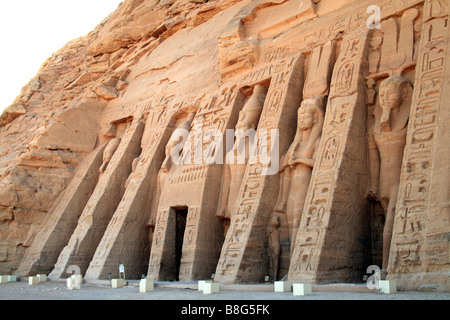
(118, 151)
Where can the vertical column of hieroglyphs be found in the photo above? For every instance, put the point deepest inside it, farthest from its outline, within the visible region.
(102, 204)
(63, 217)
(244, 255)
(156, 254)
(334, 206)
(422, 215)
(126, 240)
(190, 247)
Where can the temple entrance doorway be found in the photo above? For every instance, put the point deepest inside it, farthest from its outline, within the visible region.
(180, 228)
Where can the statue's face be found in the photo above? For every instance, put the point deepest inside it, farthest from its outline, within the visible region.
(305, 119)
(390, 97)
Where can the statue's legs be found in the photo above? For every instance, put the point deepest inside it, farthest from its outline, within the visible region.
(299, 189)
(391, 163)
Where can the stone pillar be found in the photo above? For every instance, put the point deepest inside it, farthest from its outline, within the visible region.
(63, 217)
(330, 245)
(244, 256)
(126, 239)
(420, 246)
(101, 205)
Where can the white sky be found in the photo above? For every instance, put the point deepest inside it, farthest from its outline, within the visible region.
(31, 31)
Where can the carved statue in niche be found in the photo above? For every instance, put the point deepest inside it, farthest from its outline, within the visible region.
(133, 170)
(387, 140)
(376, 211)
(110, 149)
(274, 243)
(298, 163)
(234, 173)
(167, 168)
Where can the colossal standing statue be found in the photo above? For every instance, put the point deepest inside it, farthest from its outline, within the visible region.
(298, 163)
(275, 243)
(387, 139)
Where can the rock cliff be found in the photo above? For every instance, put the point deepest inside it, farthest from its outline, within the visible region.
(353, 92)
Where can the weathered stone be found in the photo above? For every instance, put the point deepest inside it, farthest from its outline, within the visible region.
(101, 205)
(61, 221)
(12, 112)
(119, 152)
(106, 92)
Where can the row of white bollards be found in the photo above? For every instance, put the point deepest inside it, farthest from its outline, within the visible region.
(206, 286)
(298, 289)
(7, 279)
(305, 289)
(32, 281)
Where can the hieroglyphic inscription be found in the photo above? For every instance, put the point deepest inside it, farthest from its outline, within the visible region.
(357, 19)
(345, 82)
(412, 206)
(158, 242)
(218, 102)
(205, 142)
(276, 67)
(235, 241)
(277, 53)
(345, 78)
(190, 237)
(191, 225)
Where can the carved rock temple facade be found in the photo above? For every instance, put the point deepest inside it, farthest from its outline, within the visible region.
(347, 97)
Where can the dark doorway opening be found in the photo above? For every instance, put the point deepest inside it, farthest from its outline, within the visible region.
(377, 220)
(180, 228)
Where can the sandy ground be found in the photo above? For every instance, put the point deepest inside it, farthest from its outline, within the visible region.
(51, 290)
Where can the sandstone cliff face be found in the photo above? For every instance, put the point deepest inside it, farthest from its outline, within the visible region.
(57, 119)
(85, 178)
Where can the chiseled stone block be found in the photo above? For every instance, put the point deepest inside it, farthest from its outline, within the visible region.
(283, 286)
(12, 278)
(118, 283)
(388, 286)
(211, 288)
(146, 285)
(3, 279)
(302, 289)
(42, 277)
(32, 281)
(201, 284)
